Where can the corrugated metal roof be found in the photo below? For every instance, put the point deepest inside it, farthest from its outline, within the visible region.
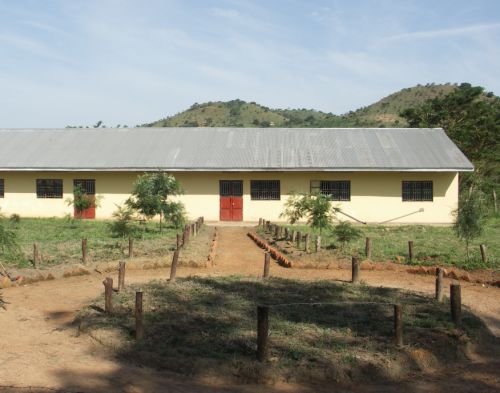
(231, 149)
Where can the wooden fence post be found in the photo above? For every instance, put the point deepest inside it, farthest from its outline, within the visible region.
(439, 284)
(84, 250)
(318, 243)
(121, 275)
(130, 247)
(276, 231)
(484, 257)
(108, 295)
(173, 268)
(287, 234)
(398, 324)
(294, 236)
(262, 332)
(456, 304)
(308, 242)
(139, 318)
(267, 264)
(260, 222)
(178, 241)
(355, 270)
(36, 256)
(299, 238)
(410, 250)
(368, 248)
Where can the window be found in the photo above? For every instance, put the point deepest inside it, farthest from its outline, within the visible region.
(265, 190)
(49, 188)
(417, 191)
(2, 188)
(87, 185)
(338, 190)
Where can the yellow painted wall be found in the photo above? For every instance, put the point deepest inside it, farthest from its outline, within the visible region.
(375, 196)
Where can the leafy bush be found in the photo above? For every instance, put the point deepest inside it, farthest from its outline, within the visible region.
(469, 219)
(15, 218)
(123, 225)
(8, 238)
(346, 233)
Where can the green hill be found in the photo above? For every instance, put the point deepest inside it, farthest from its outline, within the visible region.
(238, 113)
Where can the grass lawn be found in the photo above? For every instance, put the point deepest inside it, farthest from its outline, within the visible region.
(60, 240)
(432, 244)
(207, 326)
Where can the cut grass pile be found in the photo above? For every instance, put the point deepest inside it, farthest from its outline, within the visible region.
(60, 241)
(432, 245)
(207, 327)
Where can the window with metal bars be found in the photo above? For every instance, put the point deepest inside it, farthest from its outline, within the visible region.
(86, 185)
(2, 188)
(231, 188)
(265, 190)
(337, 190)
(417, 191)
(49, 188)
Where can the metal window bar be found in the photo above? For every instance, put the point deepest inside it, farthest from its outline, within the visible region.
(265, 190)
(417, 191)
(338, 190)
(87, 185)
(49, 188)
(230, 188)
(2, 188)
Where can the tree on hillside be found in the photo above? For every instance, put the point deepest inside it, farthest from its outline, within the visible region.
(471, 118)
(151, 196)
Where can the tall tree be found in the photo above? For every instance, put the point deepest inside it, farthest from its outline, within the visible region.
(471, 118)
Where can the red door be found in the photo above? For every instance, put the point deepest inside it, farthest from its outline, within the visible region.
(231, 200)
(87, 186)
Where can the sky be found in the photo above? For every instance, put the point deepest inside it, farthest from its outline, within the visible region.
(74, 62)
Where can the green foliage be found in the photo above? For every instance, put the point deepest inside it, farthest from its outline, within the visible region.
(81, 201)
(345, 233)
(8, 238)
(123, 223)
(316, 208)
(470, 219)
(471, 118)
(15, 218)
(150, 197)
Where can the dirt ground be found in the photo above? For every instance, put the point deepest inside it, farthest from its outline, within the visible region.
(41, 350)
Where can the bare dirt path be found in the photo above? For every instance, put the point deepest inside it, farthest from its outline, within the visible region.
(40, 350)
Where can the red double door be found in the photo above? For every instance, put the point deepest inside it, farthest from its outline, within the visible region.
(231, 200)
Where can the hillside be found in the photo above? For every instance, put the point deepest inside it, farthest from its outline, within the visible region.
(238, 113)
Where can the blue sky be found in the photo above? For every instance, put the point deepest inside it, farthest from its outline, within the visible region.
(129, 62)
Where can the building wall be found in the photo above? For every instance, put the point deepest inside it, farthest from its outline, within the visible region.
(375, 196)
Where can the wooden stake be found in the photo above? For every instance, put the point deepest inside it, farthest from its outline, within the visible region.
(130, 247)
(398, 325)
(439, 284)
(495, 201)
(308, 242)
(368, 248)
(108, 295)
(139, 318)
(260, 222)
(262, 332)
(84, 250)
(484, 257)
(178, 241)
(294, 236)
(173, 268)
(355, 270)
(276, 231)
(299, 236)
(267, 264)
(410, 250)
(36, 256)
(318, 243)
(287, 234)
(121, 275)
(456, 304)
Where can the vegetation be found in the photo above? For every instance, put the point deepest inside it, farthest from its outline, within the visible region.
(206, 327)
(345, 233)
(469, 219)
(8, 238)
(433, 245)
(81, 201)
(123, 224)
(60, 240)
(316, 208)
(151, 197)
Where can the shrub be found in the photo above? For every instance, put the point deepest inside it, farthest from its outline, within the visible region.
(122, 226)
(15, 218)
(469, 219)
(346, 233)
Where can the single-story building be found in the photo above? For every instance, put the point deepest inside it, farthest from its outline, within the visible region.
(375, 175)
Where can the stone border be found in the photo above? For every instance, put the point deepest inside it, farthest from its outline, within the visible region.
(282, 260)
(452, 274)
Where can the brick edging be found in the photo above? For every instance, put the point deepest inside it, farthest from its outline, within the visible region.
(282, 260)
